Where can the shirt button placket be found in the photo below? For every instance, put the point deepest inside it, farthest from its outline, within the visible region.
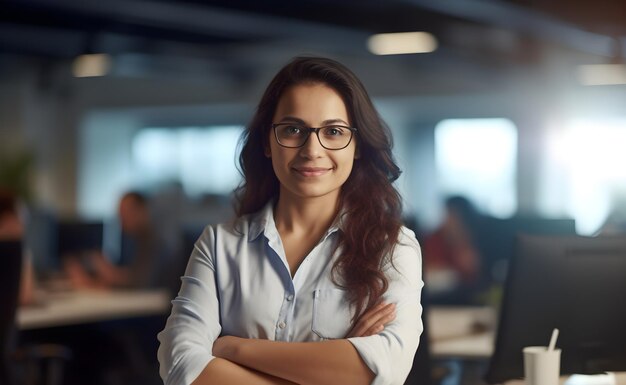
(282, 332)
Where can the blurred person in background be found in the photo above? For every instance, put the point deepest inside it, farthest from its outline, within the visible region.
(451, 253)
(147, 263)
(316, 281)
(151, 261)
(12, 229)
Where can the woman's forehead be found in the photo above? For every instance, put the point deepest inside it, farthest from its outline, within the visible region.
(311, 103)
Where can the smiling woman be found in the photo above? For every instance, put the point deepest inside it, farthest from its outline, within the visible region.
(316, 281)
(307, 168)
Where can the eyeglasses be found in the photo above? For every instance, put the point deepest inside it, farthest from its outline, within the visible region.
(294, 135)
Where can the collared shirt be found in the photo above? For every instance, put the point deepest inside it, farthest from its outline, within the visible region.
(238, 283)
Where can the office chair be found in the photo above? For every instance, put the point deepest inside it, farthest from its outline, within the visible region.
(11, 260)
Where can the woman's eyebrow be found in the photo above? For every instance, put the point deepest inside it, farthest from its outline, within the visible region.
(334, 121)
(324, 123)
(293, 119)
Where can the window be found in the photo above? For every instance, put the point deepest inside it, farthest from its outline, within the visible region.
(584, 171)
(477, 158)
(202, 159)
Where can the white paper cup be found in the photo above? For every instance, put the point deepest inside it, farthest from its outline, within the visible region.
(541, 367)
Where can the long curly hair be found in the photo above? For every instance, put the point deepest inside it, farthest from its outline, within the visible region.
(372, 205)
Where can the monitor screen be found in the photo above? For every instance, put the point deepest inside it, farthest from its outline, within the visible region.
(575, 284)
(498, 240)
(76, 237)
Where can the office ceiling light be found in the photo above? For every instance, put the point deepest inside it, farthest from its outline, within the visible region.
(401, 43)
(91, 65)
(601, 74)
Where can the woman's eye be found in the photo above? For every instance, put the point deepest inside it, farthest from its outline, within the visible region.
(293, 130)
(333, 131)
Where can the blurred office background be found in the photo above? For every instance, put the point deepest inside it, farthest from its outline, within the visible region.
(516, 105)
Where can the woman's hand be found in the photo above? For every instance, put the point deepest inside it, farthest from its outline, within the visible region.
(374, 320)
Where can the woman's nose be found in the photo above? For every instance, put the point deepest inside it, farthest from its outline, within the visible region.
(312, 148)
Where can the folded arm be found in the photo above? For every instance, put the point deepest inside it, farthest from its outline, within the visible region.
(327, 362)
(220, 371)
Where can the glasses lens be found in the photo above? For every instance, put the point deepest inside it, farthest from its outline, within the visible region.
(331, 137)
(335, 137)
(291, 135)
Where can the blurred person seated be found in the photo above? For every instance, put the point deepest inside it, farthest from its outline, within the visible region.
(451, 253)
(12, 229)
(151, 255)
(129, 345)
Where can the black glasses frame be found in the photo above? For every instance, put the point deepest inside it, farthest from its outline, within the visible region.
(316, 130)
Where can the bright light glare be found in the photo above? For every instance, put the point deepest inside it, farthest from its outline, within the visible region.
(401, 43)
(208, 162)
(477, 158)
(156, 152)
(588, 156)
(601, 74)
(202, 159)
(91, 65)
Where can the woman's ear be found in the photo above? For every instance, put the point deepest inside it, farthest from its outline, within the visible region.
(267, 152)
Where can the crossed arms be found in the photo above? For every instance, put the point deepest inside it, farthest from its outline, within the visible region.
(256, 361)
(378, 350)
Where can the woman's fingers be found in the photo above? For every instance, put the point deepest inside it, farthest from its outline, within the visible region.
(373, 320)
(379, 326)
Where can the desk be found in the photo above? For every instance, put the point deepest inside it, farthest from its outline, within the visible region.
(461, 331)
(465, 332)
(620, 379)
(83, 306)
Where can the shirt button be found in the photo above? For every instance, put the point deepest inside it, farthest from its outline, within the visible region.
(290, 297)
(282, 325)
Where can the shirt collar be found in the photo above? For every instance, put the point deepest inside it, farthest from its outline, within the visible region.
(338, 223)
(263, 222)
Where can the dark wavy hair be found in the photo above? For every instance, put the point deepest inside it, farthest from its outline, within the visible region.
(373, 206)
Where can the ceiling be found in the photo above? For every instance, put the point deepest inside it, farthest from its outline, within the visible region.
(480, 37)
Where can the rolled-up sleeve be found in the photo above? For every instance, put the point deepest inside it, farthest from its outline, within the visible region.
(390, 353)
(186, 343)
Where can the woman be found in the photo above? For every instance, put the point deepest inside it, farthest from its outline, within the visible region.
(316, 281)
(451, 253)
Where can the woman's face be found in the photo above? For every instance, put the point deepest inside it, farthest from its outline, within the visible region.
(311, 170)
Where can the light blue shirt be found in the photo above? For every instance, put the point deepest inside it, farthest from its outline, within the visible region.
(238, 283)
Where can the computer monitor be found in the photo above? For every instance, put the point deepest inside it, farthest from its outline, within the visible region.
(576, 284)
(497, 242)
(76, 237)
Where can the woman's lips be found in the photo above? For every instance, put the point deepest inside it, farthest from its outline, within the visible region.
(311, 171)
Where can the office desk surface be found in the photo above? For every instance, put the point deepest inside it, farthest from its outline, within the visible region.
(469, 333)
(461, 332)
(78, 307)
(618, 379)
